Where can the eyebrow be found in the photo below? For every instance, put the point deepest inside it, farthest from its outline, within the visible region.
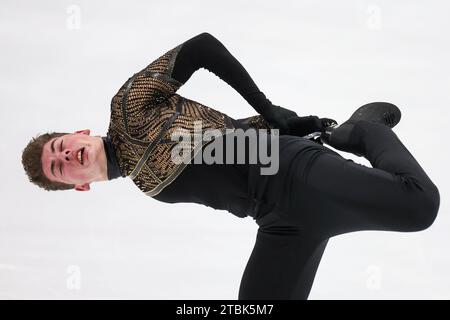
(52, 166)
(52, 145)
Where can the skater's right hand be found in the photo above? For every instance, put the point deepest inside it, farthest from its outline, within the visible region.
(302, 126)
(278, 116)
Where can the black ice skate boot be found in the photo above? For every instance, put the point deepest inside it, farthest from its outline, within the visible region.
(344, 137)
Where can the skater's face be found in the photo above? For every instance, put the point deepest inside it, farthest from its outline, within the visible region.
(76, 158)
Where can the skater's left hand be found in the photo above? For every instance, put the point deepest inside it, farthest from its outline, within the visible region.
(302, 126)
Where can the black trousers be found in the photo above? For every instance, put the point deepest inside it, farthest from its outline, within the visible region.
(318, 194)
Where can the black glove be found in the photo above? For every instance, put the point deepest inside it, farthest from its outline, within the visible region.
(302, 126)
(278, 117)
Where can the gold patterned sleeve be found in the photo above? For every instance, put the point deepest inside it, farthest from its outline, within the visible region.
(154, 84)
(257, 122)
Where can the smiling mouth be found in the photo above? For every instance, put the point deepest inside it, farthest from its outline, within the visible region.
(80, 155)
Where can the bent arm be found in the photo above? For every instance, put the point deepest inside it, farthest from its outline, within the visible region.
(205, 51)
(175, 67)
(165, 75)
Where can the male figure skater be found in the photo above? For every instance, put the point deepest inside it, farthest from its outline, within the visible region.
(315, 194)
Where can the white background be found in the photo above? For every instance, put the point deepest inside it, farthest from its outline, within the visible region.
(62, 62)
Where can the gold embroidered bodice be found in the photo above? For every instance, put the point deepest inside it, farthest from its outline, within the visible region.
(146, 111)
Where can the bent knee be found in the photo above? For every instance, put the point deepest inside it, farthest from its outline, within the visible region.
(424, 208)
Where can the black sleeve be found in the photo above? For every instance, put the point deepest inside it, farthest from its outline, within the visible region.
(205, 51)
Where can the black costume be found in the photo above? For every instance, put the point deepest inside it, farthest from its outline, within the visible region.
(315, 195)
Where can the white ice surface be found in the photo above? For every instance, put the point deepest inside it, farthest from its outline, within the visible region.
(317, 57)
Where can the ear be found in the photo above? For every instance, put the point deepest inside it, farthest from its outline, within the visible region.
(82, 187)
(85, 131)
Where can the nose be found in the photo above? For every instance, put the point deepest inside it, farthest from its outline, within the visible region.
(66, 155)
